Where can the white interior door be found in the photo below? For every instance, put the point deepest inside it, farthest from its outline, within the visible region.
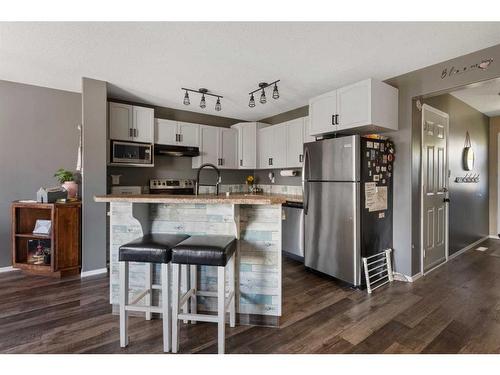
(434, 191)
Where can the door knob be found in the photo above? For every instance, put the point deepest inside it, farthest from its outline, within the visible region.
(446, 200)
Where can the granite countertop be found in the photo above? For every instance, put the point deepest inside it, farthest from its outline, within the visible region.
(235, 198)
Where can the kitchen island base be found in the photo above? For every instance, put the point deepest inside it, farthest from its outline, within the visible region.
(258, 256)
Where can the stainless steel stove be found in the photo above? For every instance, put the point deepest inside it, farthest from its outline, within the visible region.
(169, 186)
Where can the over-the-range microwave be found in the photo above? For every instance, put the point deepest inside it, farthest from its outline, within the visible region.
(131, 153)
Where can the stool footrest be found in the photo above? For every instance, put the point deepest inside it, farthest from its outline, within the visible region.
(153, 309)
(199, 317)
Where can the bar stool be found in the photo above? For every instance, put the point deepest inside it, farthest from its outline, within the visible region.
(151, 248)
(206, 250)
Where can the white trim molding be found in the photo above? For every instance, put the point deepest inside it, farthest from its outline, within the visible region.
(468, 247)
(94, 272)
(409, 279)
(8, 269)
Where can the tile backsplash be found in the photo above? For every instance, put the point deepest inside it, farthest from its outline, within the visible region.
(243, 188)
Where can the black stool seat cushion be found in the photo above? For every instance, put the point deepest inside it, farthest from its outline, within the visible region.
(151, 248)
(209, 250)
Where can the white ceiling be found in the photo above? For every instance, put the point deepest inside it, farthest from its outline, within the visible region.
(150, 62)
(484, 97)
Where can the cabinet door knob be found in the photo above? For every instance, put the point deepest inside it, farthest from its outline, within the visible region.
(130, 132)
(241, 162)
(333, 119)
(301, 158)
(336, 119)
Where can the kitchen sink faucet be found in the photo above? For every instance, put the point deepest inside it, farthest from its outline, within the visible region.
(208, 165)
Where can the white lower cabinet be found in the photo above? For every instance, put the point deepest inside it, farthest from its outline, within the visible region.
(218, 146)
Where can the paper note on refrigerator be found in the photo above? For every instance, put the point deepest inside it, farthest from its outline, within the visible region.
(375, 197)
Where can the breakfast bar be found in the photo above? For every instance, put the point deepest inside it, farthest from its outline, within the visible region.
(255, 220)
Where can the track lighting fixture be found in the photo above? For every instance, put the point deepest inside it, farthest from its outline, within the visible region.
(276, 94)
(203, 102)
(262, 87)
(251, 103)
(263, 99)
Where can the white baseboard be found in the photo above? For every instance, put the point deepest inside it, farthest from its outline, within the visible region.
(493, 236)
(468, 247)
(94, 272)
(409, 279)
(8, 269)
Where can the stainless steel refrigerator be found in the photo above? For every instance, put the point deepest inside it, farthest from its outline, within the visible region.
(340, 224)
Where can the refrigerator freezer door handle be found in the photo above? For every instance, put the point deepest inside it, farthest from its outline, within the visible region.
(305, 187)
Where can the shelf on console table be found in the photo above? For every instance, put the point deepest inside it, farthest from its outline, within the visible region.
(65, 258)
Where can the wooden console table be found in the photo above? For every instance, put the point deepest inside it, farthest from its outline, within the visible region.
(62, 243)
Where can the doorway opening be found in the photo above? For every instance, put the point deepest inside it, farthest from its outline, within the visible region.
(459, 134)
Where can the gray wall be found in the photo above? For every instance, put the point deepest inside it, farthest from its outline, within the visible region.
(407, 140)
(468, 209)
(38, 135)
(94, 109)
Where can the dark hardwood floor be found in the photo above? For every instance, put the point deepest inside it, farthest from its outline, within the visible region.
(454, 309)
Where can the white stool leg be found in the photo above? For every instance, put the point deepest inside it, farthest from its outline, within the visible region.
(221, 308)
(149, 283)
(175, 308)
(185, 287)
(194, 285)
(232, 282)
(165, 303)
(123, 302)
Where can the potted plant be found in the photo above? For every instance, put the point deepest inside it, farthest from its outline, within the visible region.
(66, 179)
(250, 181)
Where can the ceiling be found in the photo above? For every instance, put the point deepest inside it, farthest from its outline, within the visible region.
(485, 97)
(150, 62)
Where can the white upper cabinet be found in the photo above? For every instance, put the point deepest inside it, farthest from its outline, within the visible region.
(169, 132)
(364, 107)
(264, 146)
(322, 110)
(120, 121)
(143, 124)
(131, 123)
(229, 149)
(295, 142)
(189, 134)
(209, 146)
(307, 131)
(166, 132)
(218, 146)
(272, 146)
(247, 144)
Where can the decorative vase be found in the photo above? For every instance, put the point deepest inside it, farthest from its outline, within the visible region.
(72, 188)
